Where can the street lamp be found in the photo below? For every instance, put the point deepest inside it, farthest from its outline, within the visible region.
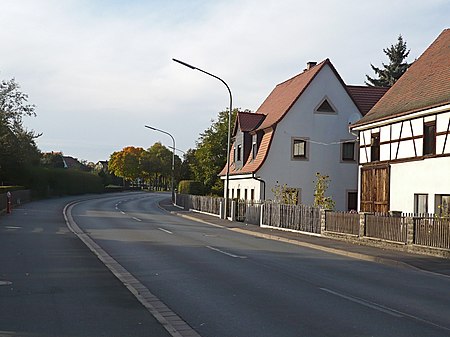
(173, 158)
(227, 181)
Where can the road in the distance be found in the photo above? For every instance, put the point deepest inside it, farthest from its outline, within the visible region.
(226, 284)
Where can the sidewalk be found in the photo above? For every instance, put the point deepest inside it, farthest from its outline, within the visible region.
(368, 253)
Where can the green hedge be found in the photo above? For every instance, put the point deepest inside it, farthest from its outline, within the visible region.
(46, 182)
(190, 187)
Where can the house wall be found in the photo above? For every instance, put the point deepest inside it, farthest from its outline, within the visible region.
(246, 184)
(414, 177)
(404, 139)
(401, 146)
(323, 132)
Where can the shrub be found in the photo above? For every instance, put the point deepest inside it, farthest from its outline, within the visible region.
(190, 187)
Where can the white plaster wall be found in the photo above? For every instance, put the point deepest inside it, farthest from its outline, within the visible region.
(301, 121)
(429, 176)
(248, 184)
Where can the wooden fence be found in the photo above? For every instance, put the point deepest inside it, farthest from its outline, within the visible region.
(295, 217)
(386, 227)
(432, 231)
(411, 229)
(342, 222)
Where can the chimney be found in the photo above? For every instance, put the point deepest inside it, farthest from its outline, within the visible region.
(310, 64)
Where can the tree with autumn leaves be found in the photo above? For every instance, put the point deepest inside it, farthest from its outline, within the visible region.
(153, 166)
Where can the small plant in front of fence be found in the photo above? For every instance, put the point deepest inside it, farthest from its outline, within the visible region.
(321, 185)
(285, 195)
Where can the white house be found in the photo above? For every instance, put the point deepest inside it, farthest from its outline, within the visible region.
(300, 129)
(405, 139)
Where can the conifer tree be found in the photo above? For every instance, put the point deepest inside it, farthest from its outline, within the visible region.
(397, 66)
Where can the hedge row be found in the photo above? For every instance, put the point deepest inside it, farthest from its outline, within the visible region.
(45, 182)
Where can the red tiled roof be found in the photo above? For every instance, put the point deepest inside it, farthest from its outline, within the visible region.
(366, 97)
(252, 165)
(285, 94)
(247, 121)
(424, 85)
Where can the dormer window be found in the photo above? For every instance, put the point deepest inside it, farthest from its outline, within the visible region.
(239, 151)
(254, 150)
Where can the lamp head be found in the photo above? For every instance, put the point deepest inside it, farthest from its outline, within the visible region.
(184, 64)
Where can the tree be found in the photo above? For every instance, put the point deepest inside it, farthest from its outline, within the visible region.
(18, 149)
(320, 200)
(397, 66)
(127, 163)
(211, 153)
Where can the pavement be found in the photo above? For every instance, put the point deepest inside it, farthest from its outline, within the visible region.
(398, 258)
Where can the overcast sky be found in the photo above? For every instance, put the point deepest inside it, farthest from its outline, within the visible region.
(99, 70)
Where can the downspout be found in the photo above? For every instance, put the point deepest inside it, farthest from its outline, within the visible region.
(264, 183)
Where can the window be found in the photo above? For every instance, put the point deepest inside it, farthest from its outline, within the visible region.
(254, 150)
(299, 148)
(245, 194)
(420, 203)
(352, 201)
(325, 107)
(375, 147)
(348, 151)
(238, 194)
(429, 138)
(442, 202)
(252, 194)
(239, 150)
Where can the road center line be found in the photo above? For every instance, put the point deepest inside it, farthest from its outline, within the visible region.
(165, 230)
(137, 219)
(226, 253)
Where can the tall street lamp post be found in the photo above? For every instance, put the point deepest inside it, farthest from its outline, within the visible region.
(173, 158)
(227, 181)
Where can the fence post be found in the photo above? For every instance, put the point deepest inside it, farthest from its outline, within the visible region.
(362, 224)
(409, 230)
(261, 215)
(221, 212)
(233, 210)
(323, 219)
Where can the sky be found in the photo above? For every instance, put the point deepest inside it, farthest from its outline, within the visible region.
(98, 71)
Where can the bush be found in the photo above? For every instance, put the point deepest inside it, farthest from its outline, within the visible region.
(190, 187)
(45, 182)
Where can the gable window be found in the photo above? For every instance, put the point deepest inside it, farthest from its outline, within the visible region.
(239, 150)
(299, 148)
(325, 107)
(348, 151)
(429, 138)
(375, 147)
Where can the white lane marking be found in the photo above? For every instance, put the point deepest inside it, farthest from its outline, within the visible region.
(122, 212)
(365, 303)
(5, 283)
(165, 230)
(137, 219)
(385, 309)
(12, 227)
(226, 253)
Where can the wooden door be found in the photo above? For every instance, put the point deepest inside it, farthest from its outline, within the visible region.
(375, 189)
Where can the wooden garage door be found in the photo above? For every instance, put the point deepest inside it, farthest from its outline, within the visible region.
(375, 189)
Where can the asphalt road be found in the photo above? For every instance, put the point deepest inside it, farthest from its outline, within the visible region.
(51, 284)
(223, 283)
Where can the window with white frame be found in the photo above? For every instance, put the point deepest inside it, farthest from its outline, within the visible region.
(299, 148)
